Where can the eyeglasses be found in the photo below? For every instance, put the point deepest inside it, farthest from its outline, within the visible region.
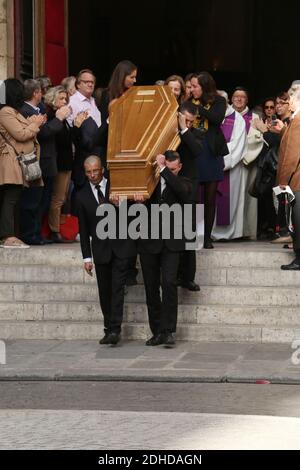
(282, 103)
(269, 107)
(88, 81)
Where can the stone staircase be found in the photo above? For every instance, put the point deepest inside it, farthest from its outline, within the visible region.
(45, 294)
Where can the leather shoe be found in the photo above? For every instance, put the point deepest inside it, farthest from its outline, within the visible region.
(56, 237)
(131, 281)
(208, 244)
(293, 266)
(105, 339)
(155, 340)
(169, 340)
(190, 285)
(113, 338)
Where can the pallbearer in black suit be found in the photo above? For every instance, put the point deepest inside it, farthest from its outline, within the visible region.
(110, 255)
(160, 256)
(189, 150)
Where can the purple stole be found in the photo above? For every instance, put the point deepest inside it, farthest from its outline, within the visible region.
(223, 193)
(248, 118)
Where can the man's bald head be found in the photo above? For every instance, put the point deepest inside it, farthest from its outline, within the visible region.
(93, 169)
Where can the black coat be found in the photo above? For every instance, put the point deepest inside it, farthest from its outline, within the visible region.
(89, 139)
(64, 148)
(46, 139)
(190, 150)
(215, 116)
(101, 249)
(178, 191)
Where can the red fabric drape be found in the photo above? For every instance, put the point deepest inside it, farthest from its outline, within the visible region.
(55, 51)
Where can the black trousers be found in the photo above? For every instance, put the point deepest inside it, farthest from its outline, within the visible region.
(30, 213)
(296, 223)
(111, 279)
(187, 266)
(160, 270)
(10, 195)
(187, 263)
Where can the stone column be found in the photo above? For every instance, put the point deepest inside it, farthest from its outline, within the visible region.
(6, 39)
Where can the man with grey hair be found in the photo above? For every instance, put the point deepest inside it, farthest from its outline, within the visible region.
(288, 171)
(111, 256)
(295, 85)
(35, 200)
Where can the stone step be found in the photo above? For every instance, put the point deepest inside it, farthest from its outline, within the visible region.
(261, 277)
(137, 313)
(230, 295)
(242, 255)
(209, 295)
(197, 332)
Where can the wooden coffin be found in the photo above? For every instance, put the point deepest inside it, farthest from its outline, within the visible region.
(142, 124)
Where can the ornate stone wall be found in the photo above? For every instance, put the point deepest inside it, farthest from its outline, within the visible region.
(6, 39)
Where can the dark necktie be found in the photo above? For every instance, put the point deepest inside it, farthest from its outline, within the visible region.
(100, 194)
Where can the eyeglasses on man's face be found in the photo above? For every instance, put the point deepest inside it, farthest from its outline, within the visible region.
(88, 82)
(281, 103)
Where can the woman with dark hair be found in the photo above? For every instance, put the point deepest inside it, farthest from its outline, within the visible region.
(17, 135)
(122, 78)
(268, 108)
(188, 87)
(211, 112)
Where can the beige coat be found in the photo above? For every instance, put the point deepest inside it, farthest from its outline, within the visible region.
(289, 156)
(22, 135)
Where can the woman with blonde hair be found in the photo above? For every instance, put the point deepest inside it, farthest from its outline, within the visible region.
(57, 98)
(177, 85)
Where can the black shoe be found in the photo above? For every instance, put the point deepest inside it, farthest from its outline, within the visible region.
(190, 285)
(56, 237)
(293, 266)
(155, 340)
(33, 241)
(208, 244)
(169, 340)
(46, 241)
(131, 281)
(105, 339)
(113, 338)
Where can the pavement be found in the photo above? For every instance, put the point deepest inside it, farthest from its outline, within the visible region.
(56, 360)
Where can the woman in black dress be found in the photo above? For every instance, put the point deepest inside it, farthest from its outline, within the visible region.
(211, 112)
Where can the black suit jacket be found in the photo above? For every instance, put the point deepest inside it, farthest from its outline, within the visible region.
(89, 139)
(46, 139)
(102, 250)
(178, 191)
(190, 150)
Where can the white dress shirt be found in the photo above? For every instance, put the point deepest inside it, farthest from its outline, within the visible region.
(163, 183)
(102, 185)
(80, 103)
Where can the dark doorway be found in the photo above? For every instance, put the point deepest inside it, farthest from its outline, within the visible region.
(24, 38)
(250, 43)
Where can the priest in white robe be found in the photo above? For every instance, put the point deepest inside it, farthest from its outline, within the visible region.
(231, 192)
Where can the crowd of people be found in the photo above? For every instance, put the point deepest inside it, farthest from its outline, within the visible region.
(220, 162)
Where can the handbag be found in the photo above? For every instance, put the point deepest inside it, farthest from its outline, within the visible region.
(28, 162)
(266, 173)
